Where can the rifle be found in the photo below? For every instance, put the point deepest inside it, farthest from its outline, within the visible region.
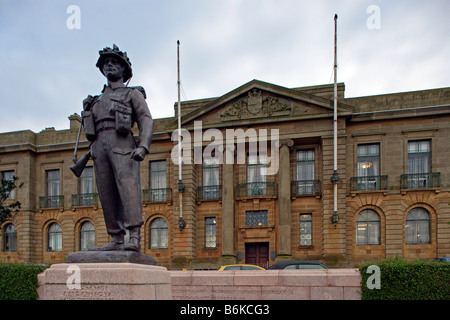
(78, 166)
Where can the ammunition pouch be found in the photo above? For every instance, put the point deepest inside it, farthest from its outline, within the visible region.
(124, 120)
(88, 124)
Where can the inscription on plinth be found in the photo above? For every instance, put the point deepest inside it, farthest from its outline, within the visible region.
(104, 281)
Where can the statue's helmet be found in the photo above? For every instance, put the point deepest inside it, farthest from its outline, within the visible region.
(119, 55)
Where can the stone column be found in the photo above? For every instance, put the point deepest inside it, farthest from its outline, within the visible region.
(284, 200)
(228, 249)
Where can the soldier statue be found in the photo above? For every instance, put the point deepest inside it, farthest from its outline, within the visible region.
(107, 120)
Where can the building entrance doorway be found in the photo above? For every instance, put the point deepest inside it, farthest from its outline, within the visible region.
(257, 253)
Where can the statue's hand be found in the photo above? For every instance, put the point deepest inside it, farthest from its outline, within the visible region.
(138, 154)
(87, 103)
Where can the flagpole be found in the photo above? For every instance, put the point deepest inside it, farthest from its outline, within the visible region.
(335, 177)
(181, 222)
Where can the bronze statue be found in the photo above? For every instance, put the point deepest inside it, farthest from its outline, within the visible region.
(107, 121)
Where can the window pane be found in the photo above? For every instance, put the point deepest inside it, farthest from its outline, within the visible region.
(54, 237)
(10, 238)
(417, 226)
(8, 175)
(256, 218)
(53, 183)
(87, 181)
(87, 236)
(419, 157)
(210, 232)
(306, 230)
(158, 175)
(159, 234)
(368, 228)
(368, 161)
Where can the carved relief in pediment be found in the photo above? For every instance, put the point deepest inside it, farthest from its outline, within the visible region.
(256, 104)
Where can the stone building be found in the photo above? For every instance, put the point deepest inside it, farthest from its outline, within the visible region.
(239, 206)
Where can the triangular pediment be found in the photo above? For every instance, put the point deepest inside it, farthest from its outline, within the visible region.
(260, 101)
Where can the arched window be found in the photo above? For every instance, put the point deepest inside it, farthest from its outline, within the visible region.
(159, 237)
(87, 236)
(54, 237)
(417, 226)
(10, 238)
(367, 228)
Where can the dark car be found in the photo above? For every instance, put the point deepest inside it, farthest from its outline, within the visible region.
(298, 264)
(446, 259)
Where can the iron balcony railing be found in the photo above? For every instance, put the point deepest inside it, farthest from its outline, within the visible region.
(420, 180)
(51, 202)
(209, 192)
(369, 183)
(305, 187)
(84, 199)
(157, 195)
(257, 189)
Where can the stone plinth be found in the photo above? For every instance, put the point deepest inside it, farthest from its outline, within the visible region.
(110, 257)
(104, 281)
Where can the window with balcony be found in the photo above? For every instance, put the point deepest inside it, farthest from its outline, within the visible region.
(256, 178)
(211, 188)
(368, 169)
(86, 195)
(53, 198)
(304, 183)
(158, 191)
(419, 167)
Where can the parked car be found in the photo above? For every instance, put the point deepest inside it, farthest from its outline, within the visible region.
(240, 267)
(446, 259)
(298, 264)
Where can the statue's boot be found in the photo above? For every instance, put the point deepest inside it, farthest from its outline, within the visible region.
(116, 243)
(134, 244)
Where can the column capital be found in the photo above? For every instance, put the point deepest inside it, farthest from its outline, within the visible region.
(287, 142)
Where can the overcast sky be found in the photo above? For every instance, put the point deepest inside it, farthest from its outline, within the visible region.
(48, 56)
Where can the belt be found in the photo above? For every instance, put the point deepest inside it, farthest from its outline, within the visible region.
(105, 125)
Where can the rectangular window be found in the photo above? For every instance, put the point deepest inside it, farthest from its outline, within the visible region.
(52, 177)
(256, 218)
(8, 175)
(87, 181)
(158, 181)
(210, 232)
(306, 229)
(419, 157)
(419, 164)
(256, 174)
(305, 165)
(368, 160)
(53, 189)
(210, 176)
(368, 167)
(86, 187)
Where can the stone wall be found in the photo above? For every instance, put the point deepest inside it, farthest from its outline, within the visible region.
(331, 284)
